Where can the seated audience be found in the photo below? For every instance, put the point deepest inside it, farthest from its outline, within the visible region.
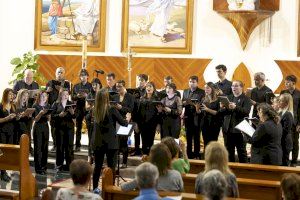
(169, 179)
(214, 185)
(266, 140)
(180, 164)
(290, 185)
(80, 171)
(216, 157)
(146, 176)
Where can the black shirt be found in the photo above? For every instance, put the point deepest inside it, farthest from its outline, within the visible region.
(188, 94)
(38, 108)
(296, 98)
(22, 85)
(80, 102)
(127, 103)
(62, 121)
(225, 86)
(53, 95)
(262, 95)
(6, 127)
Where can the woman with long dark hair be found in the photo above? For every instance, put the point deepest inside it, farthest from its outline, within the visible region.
(104, 139)
(210, 120)
(148, 117)
(63, 115)
(266, 140)
(7, 122)
(41, 132)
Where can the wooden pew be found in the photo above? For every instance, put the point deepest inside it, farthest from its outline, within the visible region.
(16, 158)
(111, 192)
(248, 188)
(249, 171)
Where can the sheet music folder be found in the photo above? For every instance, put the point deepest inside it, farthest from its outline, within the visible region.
(246, 128)
(123, 130)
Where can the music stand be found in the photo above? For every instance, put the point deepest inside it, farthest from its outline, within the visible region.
(122, 131)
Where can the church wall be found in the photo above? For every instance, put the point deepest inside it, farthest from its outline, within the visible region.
(214, 39)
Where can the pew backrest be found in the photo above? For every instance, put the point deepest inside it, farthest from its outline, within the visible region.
(249, 171)
(16, 158)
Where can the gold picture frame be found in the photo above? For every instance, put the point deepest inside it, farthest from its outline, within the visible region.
(173, 41)
(65, 37)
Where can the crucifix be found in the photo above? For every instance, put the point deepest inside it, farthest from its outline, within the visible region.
(129, 54)
(84, 53)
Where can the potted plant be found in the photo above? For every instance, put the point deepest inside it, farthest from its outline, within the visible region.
(27, 61)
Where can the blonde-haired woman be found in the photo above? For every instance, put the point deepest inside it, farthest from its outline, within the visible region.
(216, 157)
(24, 122)
(287, 119)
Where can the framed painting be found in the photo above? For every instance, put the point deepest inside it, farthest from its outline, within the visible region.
(157, 26)
(62, 25)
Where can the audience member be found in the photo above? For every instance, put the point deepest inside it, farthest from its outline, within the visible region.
(169, 179)
(216, 157)
(290, 185)
(182, 165)
(146, 176)
(214, 185)
(80, 171)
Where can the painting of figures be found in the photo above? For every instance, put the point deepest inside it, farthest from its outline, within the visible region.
(63, 24)
(162, 26)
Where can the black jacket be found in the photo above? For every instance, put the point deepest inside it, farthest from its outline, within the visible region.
(296, 101)
(198, 94)
(266, 144)
(287, 124)
(104, 133)
(234, 117)
(127, 103)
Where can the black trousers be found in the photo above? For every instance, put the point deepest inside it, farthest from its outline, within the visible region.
(210, 133)
(236, 140)
(137, 141)
(111, 155)
(148, 134)
(124, 147)
(52, 124)
(170, 127)
(192, 134)
(90, 127)
(41, 141)
(64, 145)
(79, 119)
(295, 151)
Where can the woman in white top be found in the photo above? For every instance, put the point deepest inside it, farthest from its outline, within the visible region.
(80, 171)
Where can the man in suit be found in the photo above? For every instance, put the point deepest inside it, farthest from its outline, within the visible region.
(223, 84)
(261, 93)
(290, 84)
(191, 96)
(238, 108)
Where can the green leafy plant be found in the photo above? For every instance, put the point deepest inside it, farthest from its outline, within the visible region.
(28, 61)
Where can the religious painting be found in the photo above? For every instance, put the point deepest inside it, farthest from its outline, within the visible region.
(63, 25)
(157, 26)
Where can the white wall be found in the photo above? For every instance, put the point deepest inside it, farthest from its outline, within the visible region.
(213, 36)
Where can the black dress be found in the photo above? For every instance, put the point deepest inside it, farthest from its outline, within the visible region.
(40, 139)
(64, 131)
(286, 121)
(211, 123)
(171, 122)
(23, 126)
